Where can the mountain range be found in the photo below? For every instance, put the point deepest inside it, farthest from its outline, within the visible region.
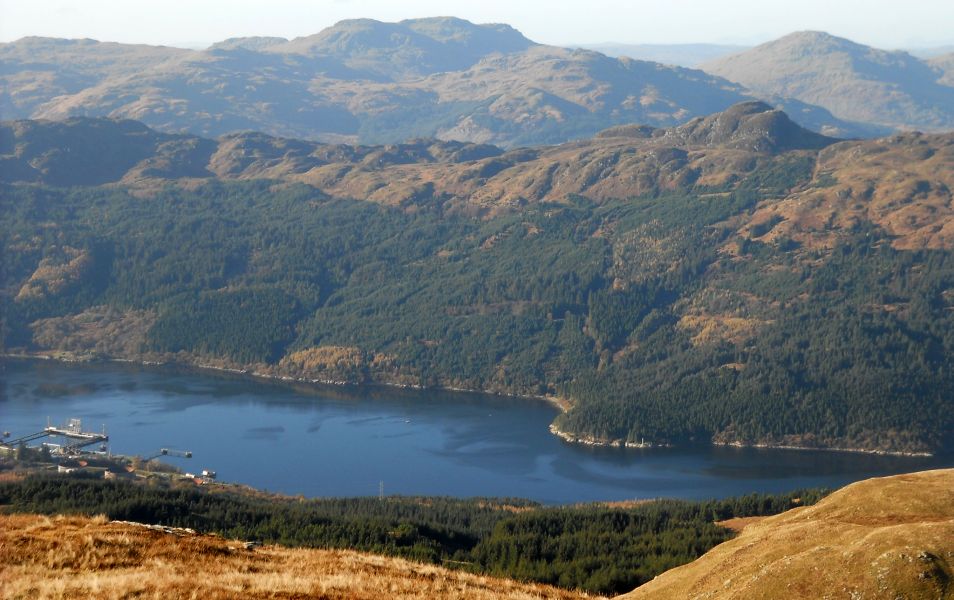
(365, 81)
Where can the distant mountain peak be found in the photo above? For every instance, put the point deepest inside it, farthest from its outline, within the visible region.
(853, 81)
(414, 47)
(754, 126)
(811, 35)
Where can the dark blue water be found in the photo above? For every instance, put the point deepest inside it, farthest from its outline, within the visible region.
(299, 439)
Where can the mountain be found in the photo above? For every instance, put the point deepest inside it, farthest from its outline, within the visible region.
(364, 81)
(408, 49)
(734, 280)
(853, 81)
(34, 70)
(683, 55)
(881, 538)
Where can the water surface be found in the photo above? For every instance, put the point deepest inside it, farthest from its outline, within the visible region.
(299, 439)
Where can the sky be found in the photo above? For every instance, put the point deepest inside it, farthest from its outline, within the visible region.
(197, 23)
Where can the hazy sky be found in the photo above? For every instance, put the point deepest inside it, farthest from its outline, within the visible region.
(883, 23)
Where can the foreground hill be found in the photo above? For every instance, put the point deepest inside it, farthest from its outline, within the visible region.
(369, 82)
(853, 81)
(736, 279)
(77, 557)
(600, 548)
(882, 538)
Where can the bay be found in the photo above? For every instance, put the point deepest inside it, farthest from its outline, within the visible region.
(345, 441)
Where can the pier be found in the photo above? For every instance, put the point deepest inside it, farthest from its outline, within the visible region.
(72, 431)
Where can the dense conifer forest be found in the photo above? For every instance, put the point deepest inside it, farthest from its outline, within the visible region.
(605, 305)
(598, 548)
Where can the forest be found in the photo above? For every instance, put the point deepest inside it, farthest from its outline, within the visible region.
(650, 316)
(598, 548)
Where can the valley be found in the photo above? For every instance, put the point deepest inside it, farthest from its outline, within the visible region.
(656, 281)
(437, 307)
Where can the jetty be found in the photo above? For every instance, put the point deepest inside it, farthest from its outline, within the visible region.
(72, 432)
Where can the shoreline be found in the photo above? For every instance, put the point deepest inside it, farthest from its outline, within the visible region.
(586, 440)
(907, 454)
(561, 404)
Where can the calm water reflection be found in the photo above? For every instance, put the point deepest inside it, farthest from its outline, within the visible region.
(342, 442)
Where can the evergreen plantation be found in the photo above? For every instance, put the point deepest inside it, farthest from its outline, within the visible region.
(601, 549)
(283, 280)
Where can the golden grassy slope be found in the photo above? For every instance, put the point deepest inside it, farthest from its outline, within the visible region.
(890, 537)
(75, 557)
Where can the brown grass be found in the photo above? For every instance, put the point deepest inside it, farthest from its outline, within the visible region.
(890, 538)
(739, 523)
(707, 329)
(901, 183)
(75, 557)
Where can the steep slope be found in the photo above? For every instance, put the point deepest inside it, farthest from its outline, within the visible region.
(853, 81)
(658, 280)
(888, 538)
(73, 557)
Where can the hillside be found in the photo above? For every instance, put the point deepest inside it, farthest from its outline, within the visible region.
(853, 81)
(605, 549)
(707, 150)
(364, 81)
(73, 557)
(879, 538)
(882, 538)
(736, 279)
(946, 64)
